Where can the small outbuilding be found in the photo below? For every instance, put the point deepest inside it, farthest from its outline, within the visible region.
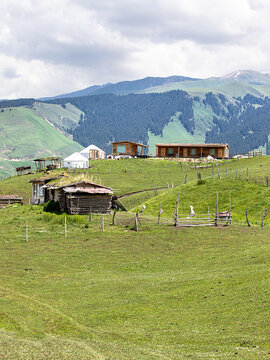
(76, 161)
(81, 197)
(6, 200)
(128, 148)
(92, 152)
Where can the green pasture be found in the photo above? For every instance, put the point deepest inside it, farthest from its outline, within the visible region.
(159, 293)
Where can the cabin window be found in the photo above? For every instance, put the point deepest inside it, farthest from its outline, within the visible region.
(193, 151)
(170, 151)
(121, 148)
(35, 190)
(40, 190)
(212, 152)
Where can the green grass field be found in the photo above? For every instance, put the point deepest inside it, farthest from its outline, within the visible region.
(159, 293)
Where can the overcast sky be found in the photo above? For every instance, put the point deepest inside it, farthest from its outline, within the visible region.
(50, 47)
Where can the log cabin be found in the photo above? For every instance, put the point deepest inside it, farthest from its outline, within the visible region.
(81, 197)
(74, 198)
(218, 151)
(128, 148)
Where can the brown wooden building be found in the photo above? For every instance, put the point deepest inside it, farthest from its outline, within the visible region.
(81, 197)
(128, 148)
(6, 200)
(74, 198)
(192, 150)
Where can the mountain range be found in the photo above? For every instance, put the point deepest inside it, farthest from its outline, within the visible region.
(233, 109)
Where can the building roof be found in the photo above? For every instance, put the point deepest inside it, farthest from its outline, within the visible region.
(9, 197)
(75, 157)
(57, 158)
(130, 142)
(81, 185)
(90, 147)
(93, 190)
(194, 145)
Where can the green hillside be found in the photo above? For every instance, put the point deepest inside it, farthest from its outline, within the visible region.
(25, 135)
(64, 118)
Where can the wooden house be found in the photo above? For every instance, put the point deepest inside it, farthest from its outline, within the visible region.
(128, 148)
(81, 197)
(218, 151)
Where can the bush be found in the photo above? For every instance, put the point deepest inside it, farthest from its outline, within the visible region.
(52, 206)
(201, 182)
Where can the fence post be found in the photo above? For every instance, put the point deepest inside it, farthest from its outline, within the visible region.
(136, 221)
(247, 218)
(176, 210)
(216, 219)
(159, 213)
(263, 217)
(114, 215)
(185, 179)
(218, 171)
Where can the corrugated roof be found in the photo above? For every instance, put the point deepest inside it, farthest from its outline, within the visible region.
(73, 190)
(194, 145)
(9, 197)
(130, 142)
(80, 184)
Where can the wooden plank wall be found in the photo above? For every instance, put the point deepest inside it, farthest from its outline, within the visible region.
(81, 203)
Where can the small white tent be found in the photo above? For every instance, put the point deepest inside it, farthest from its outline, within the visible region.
(77, 161)
(93, 152)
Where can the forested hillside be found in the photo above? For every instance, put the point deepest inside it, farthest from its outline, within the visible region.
(110, 117)
(243, 123)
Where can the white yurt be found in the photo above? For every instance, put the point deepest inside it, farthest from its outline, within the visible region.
(76, 161)
(92, 152)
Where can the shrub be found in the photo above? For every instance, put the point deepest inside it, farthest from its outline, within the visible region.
(201, 182)
(52, 206)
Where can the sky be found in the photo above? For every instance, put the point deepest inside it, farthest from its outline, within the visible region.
(50, 47)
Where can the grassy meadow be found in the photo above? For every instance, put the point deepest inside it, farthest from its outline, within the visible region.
(159, 293)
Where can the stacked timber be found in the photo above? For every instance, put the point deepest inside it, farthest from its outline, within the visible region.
(6, 200)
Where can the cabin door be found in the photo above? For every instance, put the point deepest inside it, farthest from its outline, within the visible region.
(163, 152)
(185, 152)
(220, 153)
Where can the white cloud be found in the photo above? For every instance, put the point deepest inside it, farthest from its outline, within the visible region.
(47, 48)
